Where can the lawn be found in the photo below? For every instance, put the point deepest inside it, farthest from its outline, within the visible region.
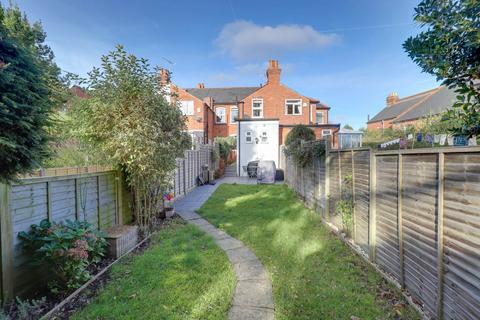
(183, 275)
(314, 274)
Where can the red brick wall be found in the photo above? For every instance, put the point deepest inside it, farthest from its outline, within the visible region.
(318, 132)
(196, 121)
(378, 125)
(274, 96)
(227, 129)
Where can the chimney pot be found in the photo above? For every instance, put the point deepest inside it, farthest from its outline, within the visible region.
(273, 72)
(201, 85)
(392, 98)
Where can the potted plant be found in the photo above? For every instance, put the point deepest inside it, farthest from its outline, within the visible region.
(167, 210)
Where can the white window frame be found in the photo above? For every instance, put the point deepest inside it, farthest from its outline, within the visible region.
(232, 119)
(323, 117)
(184, 106)
(299, 107)
(224, 115)
(261, 109)
(326, 132)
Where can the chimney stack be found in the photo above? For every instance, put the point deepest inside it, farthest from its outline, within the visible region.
(273, 72)
(164, 76)
(201, 85)
(392, 99)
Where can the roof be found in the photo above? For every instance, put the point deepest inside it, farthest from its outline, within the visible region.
(349, 131)
(223, 95)
(423, 104)
(437, 103)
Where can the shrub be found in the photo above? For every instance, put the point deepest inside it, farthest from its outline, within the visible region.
(225, 145)
(301, 145)
(129, 118)
(68, 249)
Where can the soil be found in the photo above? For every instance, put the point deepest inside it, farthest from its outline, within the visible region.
(43, 301)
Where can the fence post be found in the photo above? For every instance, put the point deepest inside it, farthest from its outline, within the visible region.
(6, 238)
(440, 241)
(77, 199)
(119, 178)
(49, 201)
(327, 184)
(98, 202)
(372, 219)
(353, 197)
(400, 217)
(184, 179)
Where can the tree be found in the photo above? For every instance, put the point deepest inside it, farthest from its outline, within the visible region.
(348, 127)
(31, 37)
(300, 144)
(129, 119)
(449, 48)
(24, 110)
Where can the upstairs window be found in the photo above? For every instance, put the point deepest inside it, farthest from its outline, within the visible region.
(293, 107)
(257, 108)
(187, 107)
(233, 114)
(319, 117)
(220, 116)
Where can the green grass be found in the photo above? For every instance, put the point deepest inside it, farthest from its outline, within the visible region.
(314, 274)
(183, 275)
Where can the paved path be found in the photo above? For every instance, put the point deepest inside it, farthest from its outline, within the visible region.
(252, 298)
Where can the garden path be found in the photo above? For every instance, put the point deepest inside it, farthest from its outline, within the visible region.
(252, 299)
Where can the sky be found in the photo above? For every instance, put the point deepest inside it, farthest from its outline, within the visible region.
(346, 53)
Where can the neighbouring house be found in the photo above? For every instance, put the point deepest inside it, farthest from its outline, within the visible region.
(400, 113)
(218, 112)
(273, 100)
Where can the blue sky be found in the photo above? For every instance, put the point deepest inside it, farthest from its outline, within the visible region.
(346, 53)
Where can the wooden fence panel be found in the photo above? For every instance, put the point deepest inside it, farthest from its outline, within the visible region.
(419, 227)
(361, 178)
(416, 213)
(387, 245)
(462, 236)
(56, 198)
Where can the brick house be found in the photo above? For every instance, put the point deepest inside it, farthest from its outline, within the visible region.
(402, 112)
(212, 112)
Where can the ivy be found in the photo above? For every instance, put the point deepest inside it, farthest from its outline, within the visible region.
(300, 144)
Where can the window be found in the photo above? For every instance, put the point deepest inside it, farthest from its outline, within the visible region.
(263, 137)
(257, 108)
(187, 107)
(326, 132)
(293, 107)
(319, 117)
(220, 115)
(248, 137)
(233, 114)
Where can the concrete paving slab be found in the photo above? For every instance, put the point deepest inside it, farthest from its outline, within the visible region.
(250, 313)
(253, 293)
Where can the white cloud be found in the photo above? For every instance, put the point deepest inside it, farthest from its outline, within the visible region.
(244, 39)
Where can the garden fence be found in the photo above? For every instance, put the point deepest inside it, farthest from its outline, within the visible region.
(416, 216)
(86, 193)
